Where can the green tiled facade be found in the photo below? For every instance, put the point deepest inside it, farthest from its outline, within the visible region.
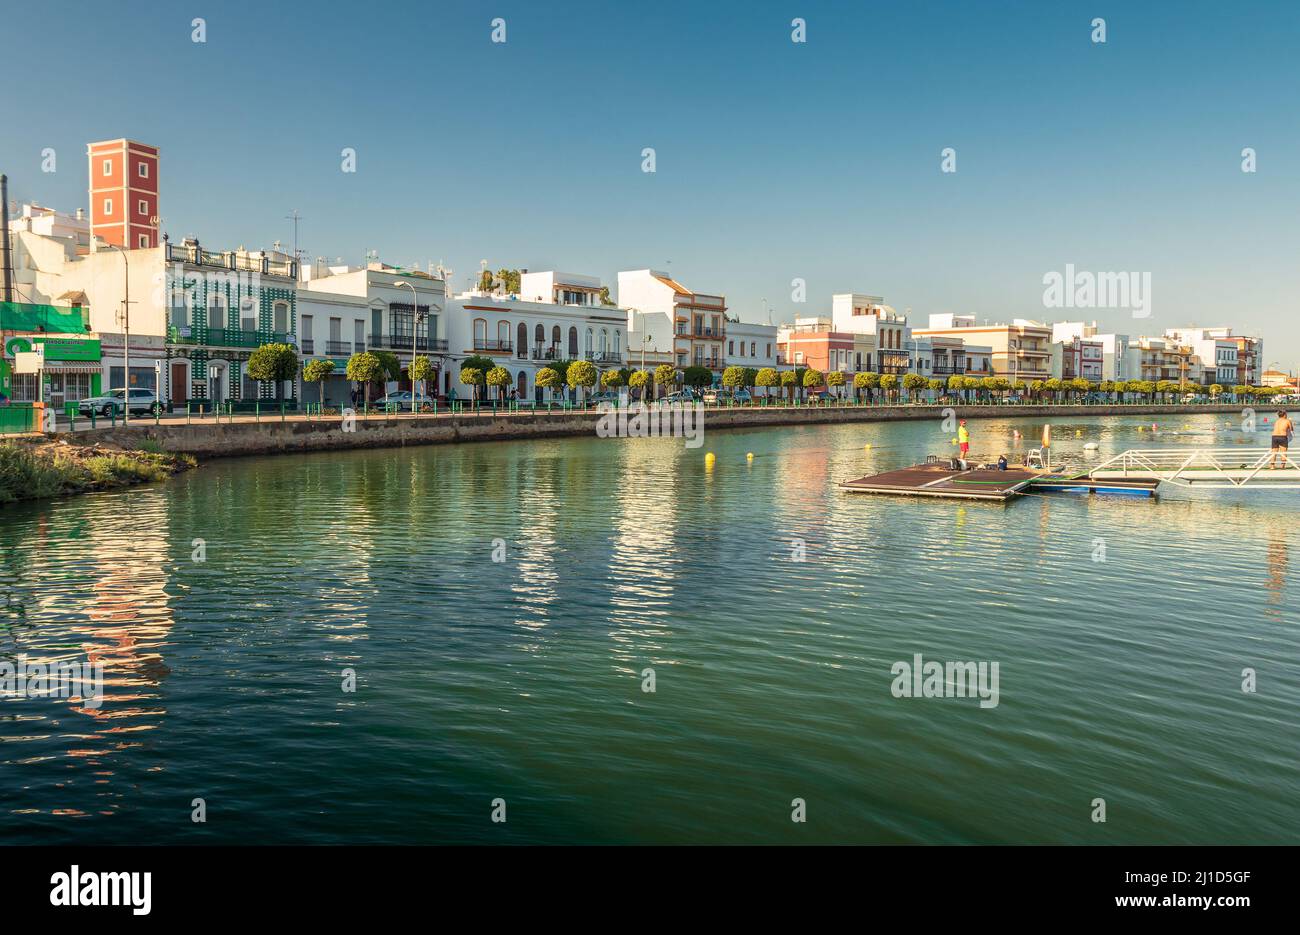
(232, 344)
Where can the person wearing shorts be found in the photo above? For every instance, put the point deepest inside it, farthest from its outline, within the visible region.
(1283, 429)
(963, 439)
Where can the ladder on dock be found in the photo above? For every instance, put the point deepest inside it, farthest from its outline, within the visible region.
(1214, 468)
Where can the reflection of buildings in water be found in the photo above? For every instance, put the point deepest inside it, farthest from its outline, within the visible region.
(1278, 559)
(643, 562)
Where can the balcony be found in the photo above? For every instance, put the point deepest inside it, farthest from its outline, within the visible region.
(541, 353)
(195, 255)
(713, 363)
(308, 346)
(225, 337)
(339, 348)
(605, 357)
(709, 332)
(948, 368)
(493, 347)
(402, 342)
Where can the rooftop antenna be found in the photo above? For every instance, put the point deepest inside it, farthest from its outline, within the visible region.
(295, 217)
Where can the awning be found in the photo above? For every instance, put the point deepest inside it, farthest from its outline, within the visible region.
(72, 366)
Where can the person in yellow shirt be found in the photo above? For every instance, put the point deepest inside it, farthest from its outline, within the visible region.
(963, 439)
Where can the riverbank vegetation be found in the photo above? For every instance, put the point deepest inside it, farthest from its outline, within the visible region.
(31, 471)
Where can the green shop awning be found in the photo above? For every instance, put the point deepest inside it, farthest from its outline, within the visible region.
(52, 319)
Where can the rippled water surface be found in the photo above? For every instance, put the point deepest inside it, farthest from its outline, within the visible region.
(522, 679)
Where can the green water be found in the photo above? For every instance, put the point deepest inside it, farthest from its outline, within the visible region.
(521, 680)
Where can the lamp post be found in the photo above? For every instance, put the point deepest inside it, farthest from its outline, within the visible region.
(126, 337)
(415, 327)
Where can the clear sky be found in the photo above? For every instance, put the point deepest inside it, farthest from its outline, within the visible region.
(774, 159)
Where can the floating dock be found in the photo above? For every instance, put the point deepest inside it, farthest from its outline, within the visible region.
(941, 480)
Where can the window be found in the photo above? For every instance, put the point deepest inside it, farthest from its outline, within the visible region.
(503, 333)
(142, 207)
(280, 317)
(108, 206)
(216, 312)
(305, 332)
(144, 241)
(358, 335)
(143, 170)
(769, 350)
(180, 316)
(480, 332)
(731, 347)
(752, 346)
(108, 167)
(589, 340)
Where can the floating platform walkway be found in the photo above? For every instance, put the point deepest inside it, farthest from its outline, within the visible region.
(937, 479)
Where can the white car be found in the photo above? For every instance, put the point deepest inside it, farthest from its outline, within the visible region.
(143, 402)
(402, 400)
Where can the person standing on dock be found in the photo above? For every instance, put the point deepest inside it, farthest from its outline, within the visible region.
(1283, 430)
(963, 439)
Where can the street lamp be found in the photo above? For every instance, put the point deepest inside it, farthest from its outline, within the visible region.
(126, 337)
(415, 327)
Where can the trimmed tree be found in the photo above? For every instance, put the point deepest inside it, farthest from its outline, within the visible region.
(548, 378)
(277, 362)
(812, 378)
(364, 368)
(733, 378)
(836, 379)
(473, 378)
(913, 382)
(421, 369)
(639, 380)
(698, 377)
(788, 381)
(889, 384)
(611, 379)
(318, 371)
(666, 376)
(767, 378)
(500, 378)
(582, 374)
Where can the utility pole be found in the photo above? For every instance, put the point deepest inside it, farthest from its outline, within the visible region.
(126, 336)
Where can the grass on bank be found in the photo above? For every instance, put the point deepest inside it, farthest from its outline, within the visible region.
(28, 472)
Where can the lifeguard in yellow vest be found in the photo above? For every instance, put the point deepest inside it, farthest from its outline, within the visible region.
(963, 439)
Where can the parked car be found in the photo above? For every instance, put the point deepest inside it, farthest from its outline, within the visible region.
(742, 396)
(680, 398)
(710, 397)
(142, 402)
(403, 400)
(821, 396)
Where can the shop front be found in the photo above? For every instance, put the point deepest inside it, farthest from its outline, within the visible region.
(72, 370)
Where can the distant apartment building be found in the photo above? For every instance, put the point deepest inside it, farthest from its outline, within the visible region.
(1224, 358)
(814, 343)
(563, 319)
(693, 325)
(887, 331)
(1020, 350)
(1077, 358)
(750, 344)
(124, 193)
(1114, 348)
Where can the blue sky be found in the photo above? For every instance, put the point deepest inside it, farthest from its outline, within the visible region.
(774, 160)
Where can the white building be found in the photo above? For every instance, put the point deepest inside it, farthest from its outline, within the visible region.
(563, 318)
(691, 326)
(1116, 363)
(1225, 358)
(859, 313)
(349, 309)
(750, 344)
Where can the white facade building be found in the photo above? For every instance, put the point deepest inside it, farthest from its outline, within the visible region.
(691, 326)
(750, 344)
(1116, 362)
(524, 335)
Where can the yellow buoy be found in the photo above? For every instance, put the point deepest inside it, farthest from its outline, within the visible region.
(954, 441)
(867, 447)
(749, 456)
(709, 456)
(1078, 431)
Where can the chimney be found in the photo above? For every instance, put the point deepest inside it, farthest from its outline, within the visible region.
(6, 257)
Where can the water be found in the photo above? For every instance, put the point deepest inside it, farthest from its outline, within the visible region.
(521, 680)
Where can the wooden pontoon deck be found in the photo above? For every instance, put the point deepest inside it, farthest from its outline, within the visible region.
(940, 480)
